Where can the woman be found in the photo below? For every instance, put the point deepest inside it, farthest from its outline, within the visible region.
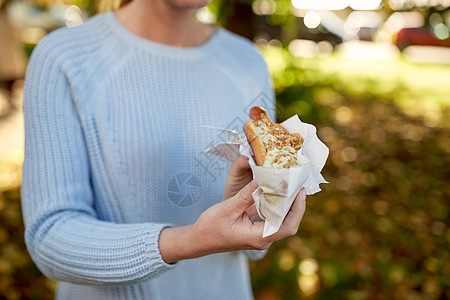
(118, 199)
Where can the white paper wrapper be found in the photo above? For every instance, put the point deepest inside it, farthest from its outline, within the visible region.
(278, 187)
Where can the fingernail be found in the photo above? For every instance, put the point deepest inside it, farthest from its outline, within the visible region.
(254, 184)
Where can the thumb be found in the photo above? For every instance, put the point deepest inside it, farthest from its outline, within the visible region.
(244, 199)
(239, 166)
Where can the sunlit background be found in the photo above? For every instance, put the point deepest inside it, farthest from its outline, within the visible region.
(372, 75)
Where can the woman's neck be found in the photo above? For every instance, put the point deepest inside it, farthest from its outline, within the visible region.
(158, 21)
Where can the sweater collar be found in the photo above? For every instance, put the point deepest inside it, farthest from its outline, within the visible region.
(167, 50)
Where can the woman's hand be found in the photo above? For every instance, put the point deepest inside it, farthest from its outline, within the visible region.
(239, 175)
(227, 226)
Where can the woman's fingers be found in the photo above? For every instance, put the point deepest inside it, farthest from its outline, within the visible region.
(242, 209)
(293, 218)
(298, 207)
(239, 166)
(239, 174)
(251, 211)
(244, 199)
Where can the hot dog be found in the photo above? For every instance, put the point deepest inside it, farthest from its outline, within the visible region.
(272, 145)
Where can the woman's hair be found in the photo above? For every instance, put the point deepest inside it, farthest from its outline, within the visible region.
(123, 2)
(105, 5)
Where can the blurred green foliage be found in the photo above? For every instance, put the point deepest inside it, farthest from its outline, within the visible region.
(380, 228)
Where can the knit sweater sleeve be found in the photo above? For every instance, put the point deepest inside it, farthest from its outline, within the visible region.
(63, 234)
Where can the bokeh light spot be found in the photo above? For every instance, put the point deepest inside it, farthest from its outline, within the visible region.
(73, 16)
(327, 134)
(308, 266)
(343, 115)
(308, 284)
(349, 154)
(286, 261)
(206, 16)
(32, 35)
(441, 31)
(303, 48)
(264, 7)
(320, 4)
(312, 19)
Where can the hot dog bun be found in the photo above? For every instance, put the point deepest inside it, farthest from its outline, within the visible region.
(272, 145)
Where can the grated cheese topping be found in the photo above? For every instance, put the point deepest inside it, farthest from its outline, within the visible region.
(281, 147)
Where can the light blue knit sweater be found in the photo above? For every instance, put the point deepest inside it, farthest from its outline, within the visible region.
(114, 153)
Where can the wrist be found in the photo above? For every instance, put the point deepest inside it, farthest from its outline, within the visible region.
(173, 244)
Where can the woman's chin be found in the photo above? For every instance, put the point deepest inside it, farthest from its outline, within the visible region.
(188, 4)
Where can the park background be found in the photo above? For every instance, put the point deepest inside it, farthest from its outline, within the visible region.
(373, 76)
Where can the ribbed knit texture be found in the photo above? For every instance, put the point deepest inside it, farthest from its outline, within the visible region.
(114, 153)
